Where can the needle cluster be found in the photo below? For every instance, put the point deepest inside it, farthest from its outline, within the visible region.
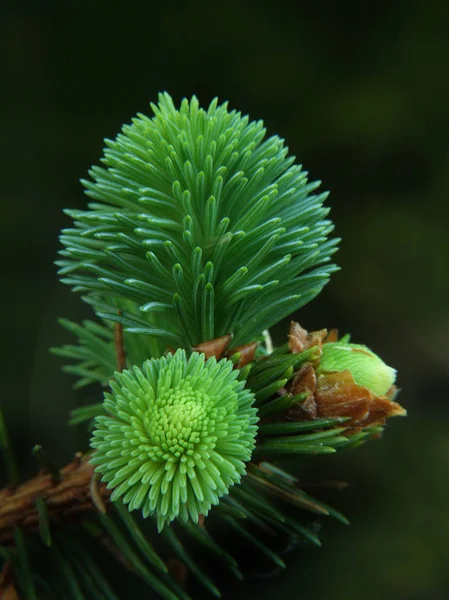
(176, 436)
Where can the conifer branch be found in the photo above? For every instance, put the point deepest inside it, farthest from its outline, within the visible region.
(69, 499)
(201, 233)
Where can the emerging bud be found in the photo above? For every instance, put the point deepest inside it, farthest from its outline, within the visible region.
(347, 380)
(366, 367)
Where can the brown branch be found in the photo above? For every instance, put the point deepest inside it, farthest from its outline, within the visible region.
(71, 496)
(119, 346)
(6, 578)
(178, 571)
(10, 593)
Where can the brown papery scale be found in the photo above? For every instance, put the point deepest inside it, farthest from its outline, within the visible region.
(335, 394)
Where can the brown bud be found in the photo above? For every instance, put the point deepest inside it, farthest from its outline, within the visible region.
(247, 354)
(332, 336)
(299, 339)
(335, 393)
(338, 395)
(214, 347)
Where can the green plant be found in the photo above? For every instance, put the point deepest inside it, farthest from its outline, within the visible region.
(201, 234)
(176, 437)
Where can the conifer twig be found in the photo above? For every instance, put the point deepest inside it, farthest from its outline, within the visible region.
(6, 577)
(71, 496)
(119, 346)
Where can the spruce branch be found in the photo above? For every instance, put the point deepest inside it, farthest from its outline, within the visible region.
(200, 235)
(254, 503)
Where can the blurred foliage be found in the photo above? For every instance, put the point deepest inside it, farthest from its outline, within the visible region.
(361, 93)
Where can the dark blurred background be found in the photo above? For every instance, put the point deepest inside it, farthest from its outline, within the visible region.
(361, 93)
